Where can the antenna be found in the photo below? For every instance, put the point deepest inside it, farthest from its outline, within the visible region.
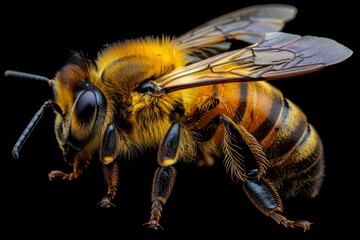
(11, 73)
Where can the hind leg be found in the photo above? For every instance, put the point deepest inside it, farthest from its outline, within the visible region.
(265, 197)
(247, 163)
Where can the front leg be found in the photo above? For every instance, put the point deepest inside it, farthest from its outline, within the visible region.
(164, 178)
(77, 169)
(80, 163)
(78, 160)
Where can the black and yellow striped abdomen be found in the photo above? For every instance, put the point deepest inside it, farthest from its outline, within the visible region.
(291, 144)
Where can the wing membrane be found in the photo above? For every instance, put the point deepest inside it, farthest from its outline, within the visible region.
(247, 24)
(278, 55)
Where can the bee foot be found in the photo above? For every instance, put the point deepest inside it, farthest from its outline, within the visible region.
(106, 202)
(289, 223)
(302, 223)
(154, 225)
(55, 173)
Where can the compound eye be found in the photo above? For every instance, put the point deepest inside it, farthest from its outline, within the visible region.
(84, 116)
(85, 106)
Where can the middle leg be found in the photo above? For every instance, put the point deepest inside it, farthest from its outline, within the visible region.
(165, 174)
(108, 154)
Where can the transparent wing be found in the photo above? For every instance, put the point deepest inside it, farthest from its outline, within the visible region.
(247, 24)
(278, 55)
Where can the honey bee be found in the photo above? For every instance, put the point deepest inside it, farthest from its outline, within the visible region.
(195, 99)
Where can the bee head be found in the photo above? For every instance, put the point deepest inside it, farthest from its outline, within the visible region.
(83, 106)
(80, 107)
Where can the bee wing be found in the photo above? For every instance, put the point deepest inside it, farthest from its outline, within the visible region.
(277, 55)
(247, 24)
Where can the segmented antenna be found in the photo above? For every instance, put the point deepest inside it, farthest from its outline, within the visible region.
(50, 103)
(11, 73)
(20, 142)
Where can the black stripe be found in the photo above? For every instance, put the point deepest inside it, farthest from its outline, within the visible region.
(268, 125)
(298, 166)
(305, 137)
(272, 151)
(240, 111)
(316, 154)
(293, 139)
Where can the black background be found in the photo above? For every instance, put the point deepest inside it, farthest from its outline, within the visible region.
(38, 38)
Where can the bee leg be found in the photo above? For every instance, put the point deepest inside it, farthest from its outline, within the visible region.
(111, 179)
(242, 151)
(55, 173)
(110, 167)
(162, 186)
(265, 197)
(164, 177)
(247, 163)
(78, 160)
(78, 168)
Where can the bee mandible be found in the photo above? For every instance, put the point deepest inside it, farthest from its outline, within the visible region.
(194, 99)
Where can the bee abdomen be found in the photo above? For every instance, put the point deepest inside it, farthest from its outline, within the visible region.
(297, 164)
(291, 144)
